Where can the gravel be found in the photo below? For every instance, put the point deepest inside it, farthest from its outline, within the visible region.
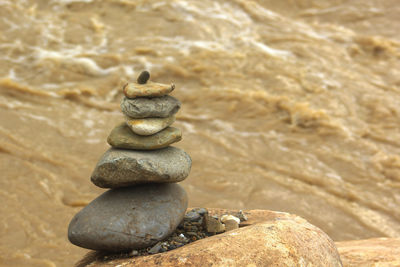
(192, 228)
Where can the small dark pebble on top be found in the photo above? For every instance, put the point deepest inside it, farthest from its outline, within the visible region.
(143, 77)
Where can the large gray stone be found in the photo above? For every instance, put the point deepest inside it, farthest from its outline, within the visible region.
(122, 167)
(143, 107)
(123, 137)
(129, 218)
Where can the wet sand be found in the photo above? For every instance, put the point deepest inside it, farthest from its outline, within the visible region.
(286, 105)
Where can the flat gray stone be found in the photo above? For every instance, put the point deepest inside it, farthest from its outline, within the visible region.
(123, 137)
(123, 167)
(129, 218)
(192, 216)
(156, 107)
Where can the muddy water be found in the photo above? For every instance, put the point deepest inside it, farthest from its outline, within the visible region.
(287, 105)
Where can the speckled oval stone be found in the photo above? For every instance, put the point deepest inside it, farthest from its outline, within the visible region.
(123, 137)
(143, 107)
(129, 218)
(123, 167)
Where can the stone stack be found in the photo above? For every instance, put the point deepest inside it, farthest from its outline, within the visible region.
(144, 204)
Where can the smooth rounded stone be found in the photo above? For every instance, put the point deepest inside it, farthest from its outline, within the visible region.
(123, 137)
(129, 218)
(122, 167)
(149, 126)
(149, 89)
(157, 107)
(225, 218)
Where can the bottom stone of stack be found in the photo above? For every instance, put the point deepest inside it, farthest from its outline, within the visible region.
(129, 218)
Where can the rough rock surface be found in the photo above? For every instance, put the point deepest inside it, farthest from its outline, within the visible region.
(149, 126)
(157, 107)
(150, 89)
(123, 137)
(129, 218)
(122, 167)
(370, 252)
(281, 240)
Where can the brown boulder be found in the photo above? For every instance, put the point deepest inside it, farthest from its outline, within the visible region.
(370, 252)
(281, 240)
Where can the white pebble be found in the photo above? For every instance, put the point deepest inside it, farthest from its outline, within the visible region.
(225, 218)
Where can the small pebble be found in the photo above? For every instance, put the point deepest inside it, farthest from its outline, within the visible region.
(134, 253)
(225, 218)
(156, 248)
(201, 211)
(191, 233)
(242, 216)
(192, 216)
(143, 77)
(213, 224)
(231, 225)
(181, 239)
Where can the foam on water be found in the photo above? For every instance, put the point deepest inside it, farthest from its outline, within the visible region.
(67, 59)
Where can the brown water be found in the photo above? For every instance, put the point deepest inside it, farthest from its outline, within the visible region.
(287, 105)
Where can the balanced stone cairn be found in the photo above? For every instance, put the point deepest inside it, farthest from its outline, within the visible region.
(144, 204)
